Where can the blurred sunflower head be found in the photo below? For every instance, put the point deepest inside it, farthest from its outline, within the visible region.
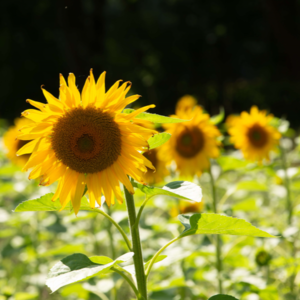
(186, 207)
(13, 144)
(187, 102)
(253, 134)
(85, 140)
(160, 172)
(192, 143)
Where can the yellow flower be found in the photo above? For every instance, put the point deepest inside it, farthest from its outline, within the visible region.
(13, 144)
(157, 175)
(185, 103)
(185, 207)
(192, 143)
(253, 134)
(86, 140)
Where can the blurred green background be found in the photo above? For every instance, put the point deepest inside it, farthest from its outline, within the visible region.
(226, 53)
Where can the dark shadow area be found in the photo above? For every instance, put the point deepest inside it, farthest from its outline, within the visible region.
(226, 53)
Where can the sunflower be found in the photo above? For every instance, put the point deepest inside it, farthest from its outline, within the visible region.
(13, 144)
(192, 143)
(186, 102)
(253, 134)
(157, 175)
(185, 207)
(85, 140)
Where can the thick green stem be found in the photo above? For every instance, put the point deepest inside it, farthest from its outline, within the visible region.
(136, 246)
(289, 205)
(218, 238)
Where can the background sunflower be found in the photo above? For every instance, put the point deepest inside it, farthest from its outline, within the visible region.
(13, 144)
(253, 134)
(192, 143)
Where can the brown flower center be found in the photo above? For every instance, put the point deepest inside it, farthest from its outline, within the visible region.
(86, 140)
(190, 142)
(257, 136)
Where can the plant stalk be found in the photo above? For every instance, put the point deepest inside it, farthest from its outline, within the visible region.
(289, 205)
(218, 238)
(136, 246)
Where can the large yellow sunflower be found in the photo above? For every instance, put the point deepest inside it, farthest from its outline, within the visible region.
(253, 134)
(192, 143)
(13, 144)
(86, 140)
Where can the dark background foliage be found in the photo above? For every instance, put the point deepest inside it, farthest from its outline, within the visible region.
(226, 53)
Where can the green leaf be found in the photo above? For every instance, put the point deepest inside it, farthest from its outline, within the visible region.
(158, 140)
(64, 250)
(218, 224)
(251, 186)
(231, 163)
(78, 267)
(222, 297)
(153, 117)
(101, 260)
(179, 189)
(218, 118)
(44, 203)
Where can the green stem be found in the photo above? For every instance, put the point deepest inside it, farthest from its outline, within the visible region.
(128, 281)
(153, 259)
(136, 247)
(218, 238)
(289, 204)
(128, 243)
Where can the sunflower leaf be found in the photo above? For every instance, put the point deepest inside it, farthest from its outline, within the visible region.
(222, 297)
(78, 267)
(219, 117)
(218, 224)
(154, 117)
(158, 140)
(179, 189)
(44, 203)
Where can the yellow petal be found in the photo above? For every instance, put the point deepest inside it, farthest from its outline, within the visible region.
(76, 198)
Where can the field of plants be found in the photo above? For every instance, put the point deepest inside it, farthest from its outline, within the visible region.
(211, 206)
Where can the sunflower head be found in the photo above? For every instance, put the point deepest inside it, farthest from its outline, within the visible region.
(192, 143)
(155, 176)
(185, 103)
(253, 134)
(186, 207)
(13, 144)
(85, 140)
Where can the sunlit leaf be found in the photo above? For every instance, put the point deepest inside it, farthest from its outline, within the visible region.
(251, 186)
(218, 224)
(246, 205)
(219, 117)
(231, 163)
(44, 203)
(154, 117)
(158, 140)
(179, 189)
(222, 297)
(78, 267)
(25, 296)
(64, 250)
